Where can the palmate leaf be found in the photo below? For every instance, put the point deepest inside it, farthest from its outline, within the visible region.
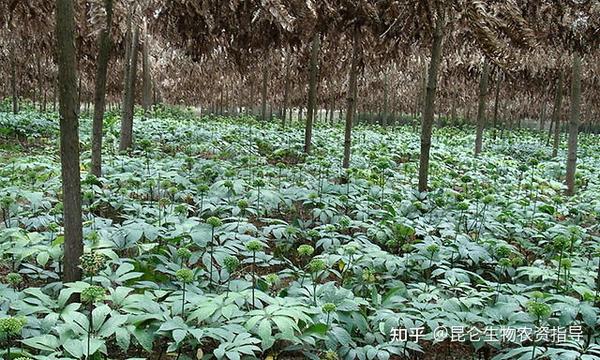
(241, 344)
(123, 274)
(534, 273)
(276, 317)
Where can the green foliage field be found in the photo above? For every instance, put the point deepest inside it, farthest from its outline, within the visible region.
(219, 238)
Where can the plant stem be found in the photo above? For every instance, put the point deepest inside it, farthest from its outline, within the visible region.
(558, 273)
(253, 276)
(90, 329)
(212, 240)
(597, 297)
(315, 288)
(258, 204)
(183, 303)
(534, 344)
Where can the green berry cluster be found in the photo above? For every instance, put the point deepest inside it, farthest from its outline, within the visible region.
(538, 309)
(254, 245)
(14, 279)
(316, 265)
(305, 250)
(214, 221)
(184, 253)
(93, 294)
(185, 275)
(12, 325)
(231, 263)
(432, 248)
(92, 263)
(242, 204)
(328, 307)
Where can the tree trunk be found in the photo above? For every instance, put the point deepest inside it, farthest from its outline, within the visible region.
(312, 91)
(13, 80)
(69, 139)
(45, 101)
(543, 118)
(331, 112)
(421, 92)
(556, 112)
(550, 130)
(126, 140)
(428, 108)
(79, 92)
(351, 99)
(38, 65)
(157, 93)
(265, 80)
(55, 96)
(100, 91)
(221, 102)
(453, 110)
(286, 91)
(146, 76)
(497, 103)
(574, 123)
(483, 91)
(126, 64)
(386, 85)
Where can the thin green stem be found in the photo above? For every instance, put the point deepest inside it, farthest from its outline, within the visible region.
(253, 276)
(183, 303)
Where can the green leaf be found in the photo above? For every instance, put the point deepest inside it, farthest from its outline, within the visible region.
(42, 342)
(134, 234)
(112, 324)
(74, 347)
(42, 258)
(220, 351)
(145, 338)
(232, 355)
(264, 329)
(123, 338)
(204, 311)
(371, 352)
(59, 240)
(383, 355)
(285, 325)
(172, 324)
(589, 315)
(228, 310)
(99, 315)
(318, 329)
(179, 335)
